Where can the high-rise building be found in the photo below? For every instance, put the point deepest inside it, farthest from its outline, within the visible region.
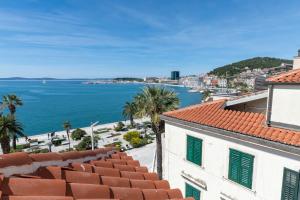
(175, 75)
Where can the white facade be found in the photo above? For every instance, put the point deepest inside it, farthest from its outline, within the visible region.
(222, 82)
(212, 177)
(249, 82)
(190, 81)
(285, 108)
(296, 63)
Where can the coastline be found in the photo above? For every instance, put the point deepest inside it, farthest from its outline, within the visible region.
(62, 134)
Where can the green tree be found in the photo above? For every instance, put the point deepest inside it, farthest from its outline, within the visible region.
(8, 127)
(11, 102)
(129, 112)
(120, 126)
(86, 143)
(152, 102)
(67, 126)
(78, 134)
(206, 94)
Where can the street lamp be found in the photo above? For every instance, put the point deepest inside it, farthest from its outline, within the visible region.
(92, 134)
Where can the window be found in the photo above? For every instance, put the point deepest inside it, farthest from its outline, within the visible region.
(190, 191)
(194, 150)
(290, 185)
(241, 168)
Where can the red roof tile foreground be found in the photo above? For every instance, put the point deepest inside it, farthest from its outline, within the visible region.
(292, 76)
(115, 175)
(213, 114)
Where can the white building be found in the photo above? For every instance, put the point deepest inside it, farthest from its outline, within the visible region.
(242, 149)
(190, 81)
(250, 81)
(296, 63)
(222, 82)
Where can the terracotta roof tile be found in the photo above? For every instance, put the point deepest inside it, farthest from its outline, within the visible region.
(292, 76)
(15, 159)
(253, 124)
(81, 180)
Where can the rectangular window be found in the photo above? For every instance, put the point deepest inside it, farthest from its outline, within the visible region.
(194, 150)
(241, 168)
(190, 191)
(290, 185)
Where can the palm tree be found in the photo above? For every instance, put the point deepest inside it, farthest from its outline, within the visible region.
(11, 102)
(152, 102)
(8, 126)
(67, 126)
(129, 112)
(1, 108)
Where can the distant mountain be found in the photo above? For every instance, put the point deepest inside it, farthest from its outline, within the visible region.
(252, 63)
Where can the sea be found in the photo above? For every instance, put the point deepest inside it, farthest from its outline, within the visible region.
(47, 105)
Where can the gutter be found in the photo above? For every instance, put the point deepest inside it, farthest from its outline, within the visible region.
(282, 83)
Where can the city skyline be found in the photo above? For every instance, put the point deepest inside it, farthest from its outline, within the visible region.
(75, 39)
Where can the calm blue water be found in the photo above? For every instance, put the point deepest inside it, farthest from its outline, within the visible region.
(47, 106)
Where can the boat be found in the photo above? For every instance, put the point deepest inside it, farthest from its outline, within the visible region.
(194, 90)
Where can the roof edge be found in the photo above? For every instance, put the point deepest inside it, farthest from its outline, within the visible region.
(281, 148)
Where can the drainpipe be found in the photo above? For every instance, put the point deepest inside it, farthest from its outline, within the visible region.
(269, 106)
(154, 162)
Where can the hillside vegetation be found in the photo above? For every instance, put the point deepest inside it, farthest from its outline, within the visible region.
(252, 63)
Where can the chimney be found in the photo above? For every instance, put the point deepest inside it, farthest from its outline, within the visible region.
(296, 63)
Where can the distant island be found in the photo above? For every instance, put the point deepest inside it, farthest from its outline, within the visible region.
(128, 79)
(248, 64)
(23, 78)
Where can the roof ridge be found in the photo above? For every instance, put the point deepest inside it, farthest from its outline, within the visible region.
(195, 106)
(247, 123)
(276, 78)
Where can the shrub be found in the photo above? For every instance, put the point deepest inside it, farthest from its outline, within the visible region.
(16, 150)
(40, 151)
(78, 134)
(22, 146)
(86, 143)
(57, 142)
(66, 150)
(131, 134)
(135, 139)
(116, 145)
(138, 142)
(120, 126)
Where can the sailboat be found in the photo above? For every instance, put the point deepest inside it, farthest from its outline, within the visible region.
(44, 82)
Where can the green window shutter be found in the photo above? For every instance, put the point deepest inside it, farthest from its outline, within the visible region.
(194, 150)
(241, 168)
(190, 148)
(234, 165)
(190, 191)
(290, 185)
(198, 151)
(246, 170)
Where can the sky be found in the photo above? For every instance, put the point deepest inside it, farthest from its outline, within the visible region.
(111, 38)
